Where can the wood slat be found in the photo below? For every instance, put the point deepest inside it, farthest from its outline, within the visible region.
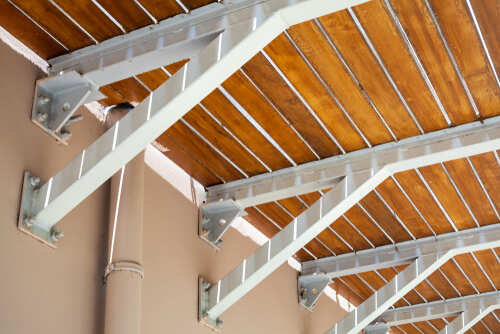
(468, 52)
(91, 18)
(363, 223)
(454, 275)
(474, 272)
(424, 291)
(349, 234)
(471, 190)
(345, 35)
(261, 110)
(318, 51)
(488, 14)
(438, 323)
(333, 242)
(479, 328)
(396, 330)
(442, 285)
(424, 37)
(388, 274)
(130, 89)
(193, 4)
(55, 22)
(185, 138)
(221, 139)
(127, 13)
(277, 91)
(162, 9)
(492, 323)
(231, 118)
(384, 218)
(488, 169)
(409, 329)
(27, 32)
(490, 265)
(186, 161)
(425, 327)
(386, 39)
(402, 207)
(344, 291)
(440, 184)
(300, 75)
(153, 79)
(113, 97)
(420, 196)
(357, 285)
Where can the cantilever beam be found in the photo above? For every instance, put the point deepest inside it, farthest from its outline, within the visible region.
(473, 313)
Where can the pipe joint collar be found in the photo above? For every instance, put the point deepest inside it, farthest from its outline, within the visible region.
(130, 266)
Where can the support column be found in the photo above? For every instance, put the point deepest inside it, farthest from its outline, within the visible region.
(124, 274)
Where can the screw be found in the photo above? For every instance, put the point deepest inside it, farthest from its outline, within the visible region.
(42, 99)
(222, 222)
(42, 116)
(34, 181)
(314, 291)
(66, 107)
(56, 236)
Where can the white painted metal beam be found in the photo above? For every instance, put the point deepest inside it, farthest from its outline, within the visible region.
(471, 315)
(436, 310)
(226, 201)
(354, 186)
(392, 255)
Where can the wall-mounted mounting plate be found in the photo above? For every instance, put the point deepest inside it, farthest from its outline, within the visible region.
(214, 220)
(310, 288)
(203, 318)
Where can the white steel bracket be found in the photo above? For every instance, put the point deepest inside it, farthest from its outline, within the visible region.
(56, 101)
(203, 306)
(215, 219)
(310, 289)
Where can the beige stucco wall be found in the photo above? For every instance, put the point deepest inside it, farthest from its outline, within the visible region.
(60, 291)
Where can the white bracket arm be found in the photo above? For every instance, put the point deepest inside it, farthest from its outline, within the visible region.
(435, 310)
(227, 201)
(353, 187)
(472, 314)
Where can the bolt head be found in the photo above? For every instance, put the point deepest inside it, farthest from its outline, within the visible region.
(66, 107)
(42, 116)
(314, 291)
(28, 222)
(34, 181)
(42, 99)
(222, 222)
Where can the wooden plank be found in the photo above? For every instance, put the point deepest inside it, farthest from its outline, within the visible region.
(310, 198)
(363, 223)
(441, 186)
(162, 9)
(438, 323)
(300, 75)
(474, 272)
(55, 22)
(231, 118)
(343, 32)
(424, 291)
(275, 88)
(91, 18)
(113, 97)
(186, 161)
(203, 153)
(424, 37)
(424, 327)
(409, 329)
(468, 52)
(127, 13)
(396, 330)
(490, 265)
(349, 234)
(174, 67)
(130, 89)
(192, 4)
(153, 79)
(442, 285)
(492, 323)
(333, 242)
(357, 285)
(27, 32)
(454, 275)
(471, 190)
(385, 37)
(221, 139)
(479, 328)
(423, 200)
(402, 207)
(488, 170)
(346, 292)
(264, 114)
(316, 48)
(488, 15)
(384, 218)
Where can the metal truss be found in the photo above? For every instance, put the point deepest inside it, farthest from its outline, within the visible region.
(316, 272)
(227, 201)
(353, 187)
(436, 310)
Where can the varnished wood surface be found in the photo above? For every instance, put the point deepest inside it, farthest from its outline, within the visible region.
(127, 13)
(162, 9)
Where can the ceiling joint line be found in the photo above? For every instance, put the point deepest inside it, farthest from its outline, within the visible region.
(280, 113)
(417, 61)
(142, 84)
(452, 58)
(418, 329)
(483, 188)
(109, 16)
(328, 89)
(38, 25)
(350, 288)
(75, 22)
(183, 6)
(375, 222)
(255, 124)
(486, 326)
(147, 12)
(384, 69)
(459, 193)
(358, 231)
(483, 42)
(304, 102)
(394, 214)
(365, 283)
(341, 239)
(354, 78)
(467, 278)
(480, 265)
(436, 200)
(434, 288)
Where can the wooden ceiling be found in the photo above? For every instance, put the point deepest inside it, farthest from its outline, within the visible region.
(381, 72)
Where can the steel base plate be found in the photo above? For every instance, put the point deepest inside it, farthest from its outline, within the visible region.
(214, 325)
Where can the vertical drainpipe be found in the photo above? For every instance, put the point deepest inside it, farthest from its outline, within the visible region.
(123, 274)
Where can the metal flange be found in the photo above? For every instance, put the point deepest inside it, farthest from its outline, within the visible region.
(57, 98)
(203, 305)
(26, 222)
(214, 220)
(310, 288)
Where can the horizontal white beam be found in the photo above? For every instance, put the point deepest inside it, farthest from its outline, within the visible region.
(436, 310)
(325, 173)
(404, 282)
(335, 203)
(471, 315)
(392, 255)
